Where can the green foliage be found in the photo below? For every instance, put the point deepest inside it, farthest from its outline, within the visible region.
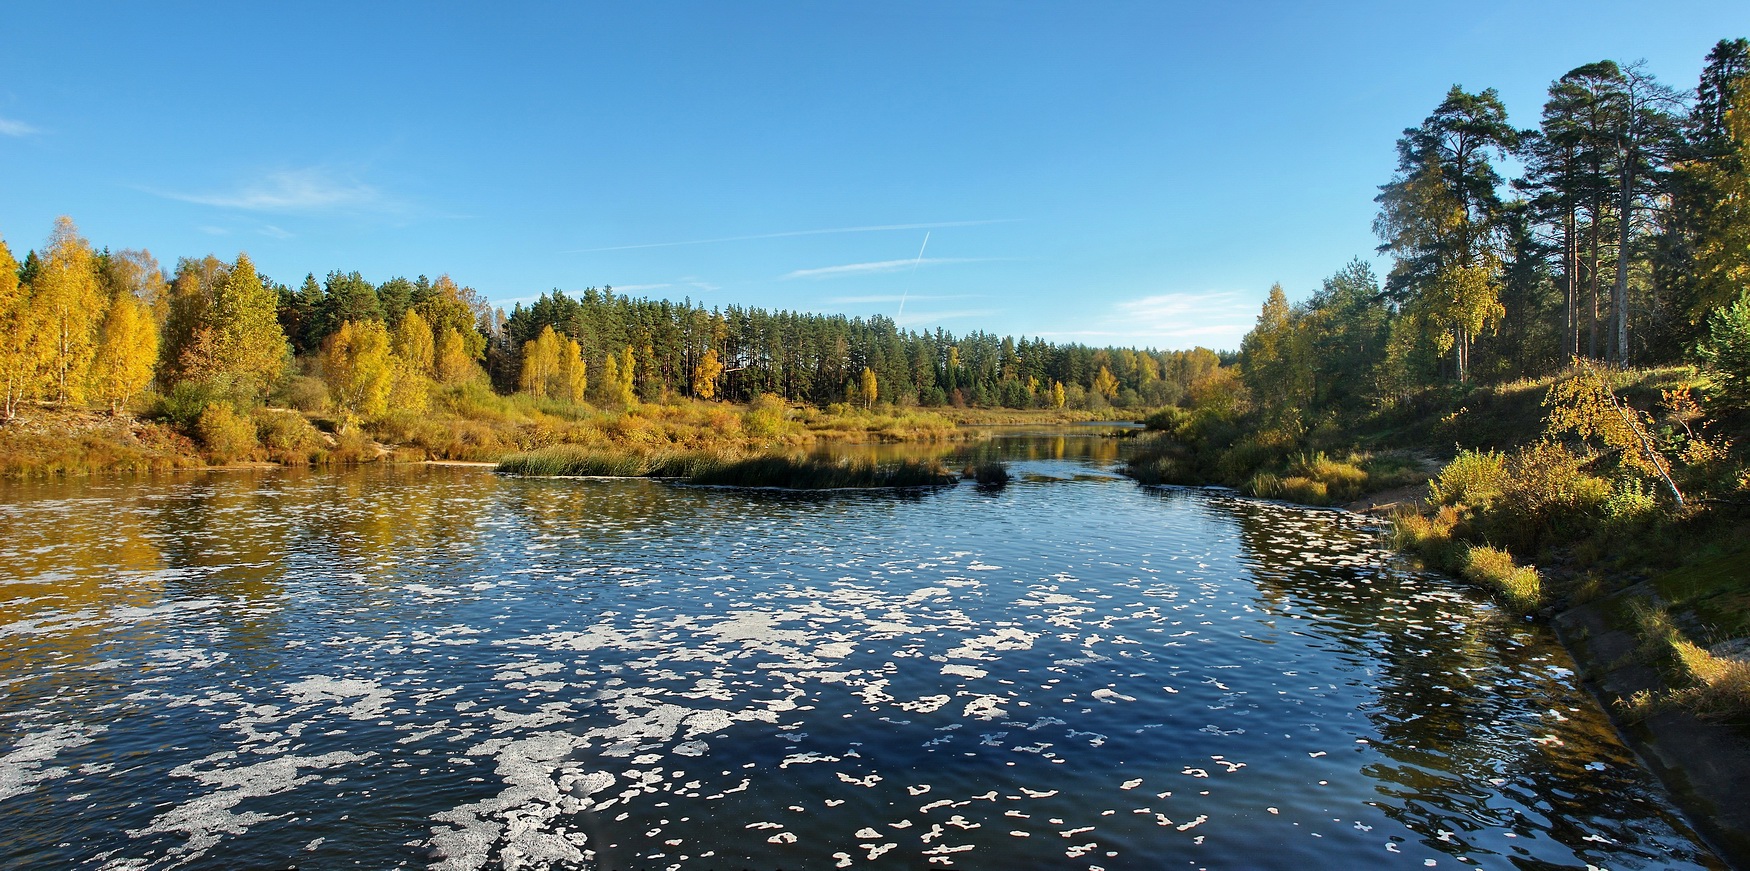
(1726, 351)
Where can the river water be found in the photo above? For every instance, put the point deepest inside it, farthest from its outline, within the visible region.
(437, 666)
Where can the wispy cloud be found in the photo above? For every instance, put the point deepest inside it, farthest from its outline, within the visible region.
(1217, 318)
(876, 268)
(913, 319)
(9, 127)
(876, 228)
(298, 190)
(276, 232)
(893, 297)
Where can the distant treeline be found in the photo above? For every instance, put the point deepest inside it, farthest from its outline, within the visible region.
(109, 326)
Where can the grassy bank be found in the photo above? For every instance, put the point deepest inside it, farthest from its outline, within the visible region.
(1553, 493)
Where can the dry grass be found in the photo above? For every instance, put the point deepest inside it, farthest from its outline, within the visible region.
(1517, 587)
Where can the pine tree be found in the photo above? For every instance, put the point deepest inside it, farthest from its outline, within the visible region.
(1438, 214)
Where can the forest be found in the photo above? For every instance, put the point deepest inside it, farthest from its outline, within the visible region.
(1623, 242)
(1556, 366)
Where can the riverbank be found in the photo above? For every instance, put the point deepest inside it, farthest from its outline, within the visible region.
(1647, 596)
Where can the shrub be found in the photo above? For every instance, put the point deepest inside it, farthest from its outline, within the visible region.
(1517, 586)
(1721, 683)
(1342, 480)
(288, 437)
(768, 417)
(1474, 479)
(987, 474)
(1427, 537)
(1168, 419)
(304, 393)
(227, 435)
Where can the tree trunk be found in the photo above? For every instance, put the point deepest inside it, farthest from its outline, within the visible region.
(1625, 226)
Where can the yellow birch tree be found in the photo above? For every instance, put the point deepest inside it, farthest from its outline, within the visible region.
(70, 303)
(359, 368)
(705, 375)
(20, 335)
(453, 363)
(572, 379)
(127, 351)
(540, 362)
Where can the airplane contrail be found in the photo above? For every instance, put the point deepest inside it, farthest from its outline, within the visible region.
(790, 233)
(914, 270)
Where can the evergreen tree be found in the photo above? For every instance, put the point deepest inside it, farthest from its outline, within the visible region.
(1438, 215)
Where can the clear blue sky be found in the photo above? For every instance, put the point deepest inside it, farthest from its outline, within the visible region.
(1109, 173)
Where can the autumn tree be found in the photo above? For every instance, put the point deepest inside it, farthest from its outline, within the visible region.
(1106, 384)
(868, 389)
(127, 351)
(572, 379)
(239, 338)
(1057, 395)
(540, 363)
(359, 369)
(453, 362)
(705, 374)
(69, 304)
(21, 347)
(414, 344)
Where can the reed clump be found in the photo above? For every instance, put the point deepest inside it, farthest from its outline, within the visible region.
(724, 469)
(987, 474)
(810, 473)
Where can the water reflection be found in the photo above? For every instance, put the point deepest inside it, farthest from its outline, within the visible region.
(409, 665)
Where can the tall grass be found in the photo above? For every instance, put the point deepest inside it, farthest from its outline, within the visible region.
(1519, 588)
(581, 461)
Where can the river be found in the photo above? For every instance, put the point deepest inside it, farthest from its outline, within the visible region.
(409, 666)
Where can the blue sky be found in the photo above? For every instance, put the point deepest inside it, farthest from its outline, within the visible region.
(1108, 173)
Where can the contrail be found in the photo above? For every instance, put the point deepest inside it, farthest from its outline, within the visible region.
(914, 270)
(790, 233)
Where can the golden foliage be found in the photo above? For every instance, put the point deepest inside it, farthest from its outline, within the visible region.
(126, 353)
(705, 375)
(359, 368)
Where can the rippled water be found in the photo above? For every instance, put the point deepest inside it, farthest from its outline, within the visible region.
(438, 666)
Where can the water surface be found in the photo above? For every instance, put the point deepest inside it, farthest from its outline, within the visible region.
(410, 666)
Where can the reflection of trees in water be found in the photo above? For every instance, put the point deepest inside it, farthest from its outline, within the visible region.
(86, 549)
(1000, 447)
(1461, 698)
